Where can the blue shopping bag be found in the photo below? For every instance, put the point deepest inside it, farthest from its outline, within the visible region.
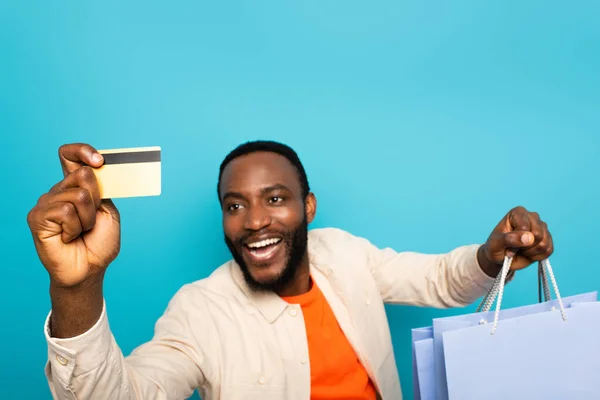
(536, 356)
(548, 354)
(460, 322)
(426, 387)
(419, 335)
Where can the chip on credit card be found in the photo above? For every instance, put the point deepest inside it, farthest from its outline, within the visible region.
(130, 172)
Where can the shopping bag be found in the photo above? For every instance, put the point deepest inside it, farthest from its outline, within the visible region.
(458, 322)
(483, 315)
(537, 356)
(419, 335)
(426, 386)
(551, 354)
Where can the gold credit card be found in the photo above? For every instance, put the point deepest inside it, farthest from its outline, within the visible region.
(131, 172)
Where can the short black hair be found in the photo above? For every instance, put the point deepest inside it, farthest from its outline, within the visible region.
(272, 147)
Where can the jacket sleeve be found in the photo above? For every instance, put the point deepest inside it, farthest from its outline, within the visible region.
(453, 279)
(92, 366)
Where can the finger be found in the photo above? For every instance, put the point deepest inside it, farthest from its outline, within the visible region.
(538, 227)
(82, 200)
(516, 240)
(65, 215)
(542, 250)
(83, 178)
(523, 242)
(519, 219)
(74, 156)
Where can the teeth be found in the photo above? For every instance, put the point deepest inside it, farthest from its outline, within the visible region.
(263, 243)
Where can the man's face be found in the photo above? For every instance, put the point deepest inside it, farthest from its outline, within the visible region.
(265, 219)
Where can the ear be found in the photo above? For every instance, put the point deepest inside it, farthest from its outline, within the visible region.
(310, 207)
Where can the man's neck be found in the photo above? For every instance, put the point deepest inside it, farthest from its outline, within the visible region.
(301, 283)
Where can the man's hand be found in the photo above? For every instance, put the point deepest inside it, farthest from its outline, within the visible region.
(521, 234)
(76, 235)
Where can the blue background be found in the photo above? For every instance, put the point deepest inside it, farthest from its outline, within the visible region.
(420, 124)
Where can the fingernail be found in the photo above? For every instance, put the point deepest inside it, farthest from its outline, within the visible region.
(97, 157)
(527, 238)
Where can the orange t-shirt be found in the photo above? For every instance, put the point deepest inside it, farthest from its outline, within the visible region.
(335, 370)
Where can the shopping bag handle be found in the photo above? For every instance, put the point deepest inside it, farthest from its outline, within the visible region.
(490, 297)
(498, 288)
(543, 281)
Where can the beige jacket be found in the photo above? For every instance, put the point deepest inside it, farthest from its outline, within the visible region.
(230, 343)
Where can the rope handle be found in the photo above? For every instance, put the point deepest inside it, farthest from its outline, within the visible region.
(498, 289)
(543, 277)
(490, 297)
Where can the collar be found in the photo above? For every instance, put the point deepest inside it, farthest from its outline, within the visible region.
(269, 304)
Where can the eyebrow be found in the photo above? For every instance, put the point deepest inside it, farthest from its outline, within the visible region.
(277, 186)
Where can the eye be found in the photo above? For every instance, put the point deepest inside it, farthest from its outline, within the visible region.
(276, 199)
(234, 207)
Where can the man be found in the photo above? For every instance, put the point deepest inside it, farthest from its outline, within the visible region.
(294, 315)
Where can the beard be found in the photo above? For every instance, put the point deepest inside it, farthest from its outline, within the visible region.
(295, 242)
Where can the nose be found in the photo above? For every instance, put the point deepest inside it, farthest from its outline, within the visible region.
(257, 218)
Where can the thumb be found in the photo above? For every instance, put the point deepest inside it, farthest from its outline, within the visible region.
(517, 240)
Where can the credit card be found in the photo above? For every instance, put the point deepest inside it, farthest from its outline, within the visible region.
(130, 172)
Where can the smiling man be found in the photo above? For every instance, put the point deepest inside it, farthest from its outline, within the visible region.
(296, 314)
(267, 206)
